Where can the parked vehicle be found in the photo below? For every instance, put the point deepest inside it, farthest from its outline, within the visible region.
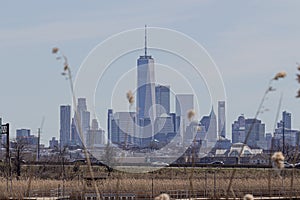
(297, 165)
(217, 163)
(288, 165)
(158, 163)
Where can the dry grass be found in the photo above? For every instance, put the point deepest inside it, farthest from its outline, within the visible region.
(211, 182)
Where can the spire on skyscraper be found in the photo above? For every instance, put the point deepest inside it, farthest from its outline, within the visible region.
(145, 39)
(145, 84)
(212, 112)
(212, 134)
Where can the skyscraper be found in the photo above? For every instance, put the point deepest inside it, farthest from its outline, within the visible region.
(81, 104)
(75, 138)
(24, 136)
(95, 136)
(85, 121)
(209, 124)
(53, 143)
(256, 130)
(95, 125)
(211, 133)
(184, 103)
(162, 95)
(287, 119)
(109, 121)
(84, 117)
(284, 134)
(145, 85)
(22, 133)
(238, 130)
(123, 128)
(205, 122)
(65, 125)
(254, 127)
(221, 119)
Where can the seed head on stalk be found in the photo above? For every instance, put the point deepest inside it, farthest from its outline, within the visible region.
(280, 75)
(248, 197)
(278, 160)
(298, 79)
(191, 114)
(162, 197)
(298, 66)
(130, 97)
(260, 109)
(67, 72)
(55, 50)
(298, 95)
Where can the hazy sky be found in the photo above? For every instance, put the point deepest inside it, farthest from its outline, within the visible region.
(250, 41)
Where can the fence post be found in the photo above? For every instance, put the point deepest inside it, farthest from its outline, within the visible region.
(152, 187)
(215, 187)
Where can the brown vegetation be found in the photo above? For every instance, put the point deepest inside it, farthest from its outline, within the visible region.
(207, 182)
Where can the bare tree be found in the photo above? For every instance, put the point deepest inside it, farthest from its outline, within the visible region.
(108, 158)
(17, 156)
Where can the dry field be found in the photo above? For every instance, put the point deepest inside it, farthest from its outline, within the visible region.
(205, 182)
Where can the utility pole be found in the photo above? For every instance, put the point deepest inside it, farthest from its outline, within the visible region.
(4, 129)
(39, 140)
(283, 139)
(7, 140)
(38, 145)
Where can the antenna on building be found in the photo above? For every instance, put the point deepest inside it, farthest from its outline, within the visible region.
(145, 39)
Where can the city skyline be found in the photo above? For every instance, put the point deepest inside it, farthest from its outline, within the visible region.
(245, 47)
(152, 121)
(170, 99)
(122, 124)
(240, 127)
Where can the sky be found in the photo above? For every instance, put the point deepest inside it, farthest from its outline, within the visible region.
(250, 41)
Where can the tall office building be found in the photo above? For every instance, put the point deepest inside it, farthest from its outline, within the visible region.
(287, 119)
(205, 122)
(238, 130)
(184, 103)
(123, 128)
(109, 121)
(85, 121)
(24, 136)
(209, 124)
(221, 119)
(83, 114)
(53, 143)
(145, 85)
(254, 127)
(162, 95)
(284, 134)
(65, 125)
(95, 136)
(164, 124)
(211, 133)
(22, 133)
(2, 141)
(95, 125)
(84, 117)
(81, 104)
(256, 130)
(75, 138)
